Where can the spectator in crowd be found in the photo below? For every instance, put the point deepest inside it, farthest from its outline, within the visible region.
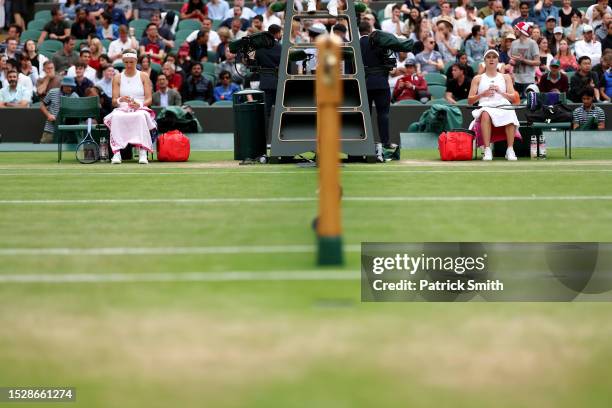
(566, 57)
(213, 38)
(400, 68)
(88, 72)
(498, 8)
(588, 46)
(198, 49)
(393, 25)
(447, 14)
(95, 49)
(37, 59)
(124, 42)
(49, 81)
(237, 12)
(116, 14)
(340, 30)
(162, 29)
(524, 57)
(107, 30)
(237, 33)
(601, 68)
(486, 10)
(513, 11)
(13, 33)
(583, 78)
(217, 9)
(429, 60)
(555, 80)
(411, 85)
(82, 82)
(226, 88)
(256, 25)
(175, 80)
(448, 43)
(105, 103)
(126, 7)
(50, 106)
(14, 95)
(594, 14)
(566, 12)
(475, 45)
(606, 44)
(504, 48)
(66, 56)
(27, 69)
(601, 32)
(224, 35)
(106, 82)
(197, 86)
(588, 116)
(152, 44)
(605, 80)
(165, 96)
(536, 33)
(94, 7)
(412, 23)
(56, 29)
(544, 9)
(464, 26)
(525, 16)
(69, 9)
(145, 66)
(236, 69)
(549, 30)
(247, 13)
(574, 31)
(22, 80)
(260, 7)
(193, 9)
(82, 29)
(11, 49)
(557, 37)
(495, 34)
(462, 60)
(270, 18)
(458, 87)
(143, 9)
(544, 55)
(435, 10)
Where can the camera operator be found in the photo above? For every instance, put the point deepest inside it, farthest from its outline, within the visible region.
(377, 85)
(269, 60)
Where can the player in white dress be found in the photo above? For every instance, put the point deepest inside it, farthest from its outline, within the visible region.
(491, 90)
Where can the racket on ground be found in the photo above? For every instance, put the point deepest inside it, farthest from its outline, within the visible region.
(88, 151)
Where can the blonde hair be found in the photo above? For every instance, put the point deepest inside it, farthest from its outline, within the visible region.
(99, 47)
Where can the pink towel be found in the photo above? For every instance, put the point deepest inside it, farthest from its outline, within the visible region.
(128, 126)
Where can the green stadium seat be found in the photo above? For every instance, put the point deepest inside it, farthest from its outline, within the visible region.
(381, 15)
(50, 46)
(223, 103)
(216, 24)
(155, 67)
(37, 25)
(30, 35)
(437, 91)
(119, 66)
(106, 43)
(46, 53)
(439, 102)
(209, 67)
(435, 78)
(140, 24)
(212, 56)
(43, 15)
(181, 36)
(570, 74)
(448, 65)
(211, 77)
(189, 24)
(408, 102)
(475, 66)
(80, 109)
(196, 103)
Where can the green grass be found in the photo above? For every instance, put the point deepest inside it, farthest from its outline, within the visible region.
(291, 343)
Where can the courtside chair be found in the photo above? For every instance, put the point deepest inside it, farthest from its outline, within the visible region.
(43, 15)
(565, 127)
(51, 46)
(190, 24)
(435, 78)
(437, 91)
(30, 35)
(37, 25)
(79, 110)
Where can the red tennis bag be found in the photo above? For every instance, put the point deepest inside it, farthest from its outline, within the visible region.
(173, 146)
(457, 144)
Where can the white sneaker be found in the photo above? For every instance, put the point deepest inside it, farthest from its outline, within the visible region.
(379, 153)
(116, 158)
(510, 155)
(142, 157)
(312, 6)
(332, 7)
(488, 154)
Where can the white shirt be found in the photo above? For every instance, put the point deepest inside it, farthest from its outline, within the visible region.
(22, 80)
(268, 21)
(117, 47)
(589, 16)
(466, 25)
(217, 11)
(247, 13)
(90, 73)
(213, 39)
(390, 27)
(163, 99)
(591, 50)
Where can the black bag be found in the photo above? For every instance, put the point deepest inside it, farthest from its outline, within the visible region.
(550, 114)
(177, 118)
(521, 147)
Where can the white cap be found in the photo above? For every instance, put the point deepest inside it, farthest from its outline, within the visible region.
(586, 28)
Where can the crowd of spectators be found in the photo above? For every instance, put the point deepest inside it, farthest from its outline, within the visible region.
(557, 46)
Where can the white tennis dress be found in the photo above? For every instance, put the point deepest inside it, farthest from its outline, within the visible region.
(499, 117)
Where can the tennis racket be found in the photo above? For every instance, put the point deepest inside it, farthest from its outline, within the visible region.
(88, 151)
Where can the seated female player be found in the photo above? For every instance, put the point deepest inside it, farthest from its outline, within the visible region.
(493, 90)
(131, 121)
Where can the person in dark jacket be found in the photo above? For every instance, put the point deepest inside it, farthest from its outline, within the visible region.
(198, 87)
(377, 85)
(269, 60)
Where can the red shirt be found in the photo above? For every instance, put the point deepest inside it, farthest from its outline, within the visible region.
(407, 92)
(175, 82)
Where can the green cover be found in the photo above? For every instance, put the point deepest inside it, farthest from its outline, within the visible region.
(437, 119)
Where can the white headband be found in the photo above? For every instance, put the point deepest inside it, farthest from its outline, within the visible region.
(129, 55)
(491, 51)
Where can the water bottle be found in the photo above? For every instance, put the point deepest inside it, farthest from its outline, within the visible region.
(542, 147)
(103, 148)
(533, 150)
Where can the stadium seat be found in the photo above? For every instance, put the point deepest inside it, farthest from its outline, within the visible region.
(79, 109)
(437, 91)
(189, 24)
(223, 103)
(181, 36)
(43, 15)
(105, 43)
(380, 15)
(30, 35)
(212, 56)
(448, 65)
(570, 74)
(439, 102)
(37, 25)
(209, 67)
(211, 77)
(195, 103)
(434, 78)
(51, 46)
(408, 102)
(216, 24)
(155, 67)
(475, 67)
(139, 26)
(119, 66)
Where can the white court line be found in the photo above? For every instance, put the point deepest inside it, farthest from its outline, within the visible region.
(230, 276)
(307, 199)
(218, 250)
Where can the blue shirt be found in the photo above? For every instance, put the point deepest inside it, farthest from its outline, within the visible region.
(225, 94)
(489, 21)
(542, 15)
(20, 94)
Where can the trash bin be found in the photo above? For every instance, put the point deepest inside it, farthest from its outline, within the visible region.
(249, 124)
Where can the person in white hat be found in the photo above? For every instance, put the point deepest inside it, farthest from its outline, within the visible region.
(588, 46)
(493, 90)
(525, 57)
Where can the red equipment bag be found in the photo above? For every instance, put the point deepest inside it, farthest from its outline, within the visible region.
(457, 144)
(173, 146)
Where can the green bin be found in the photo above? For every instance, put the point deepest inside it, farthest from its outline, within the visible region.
(249, 124)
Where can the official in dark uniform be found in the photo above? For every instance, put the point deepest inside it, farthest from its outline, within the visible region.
(377, 84)
(269, 60)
